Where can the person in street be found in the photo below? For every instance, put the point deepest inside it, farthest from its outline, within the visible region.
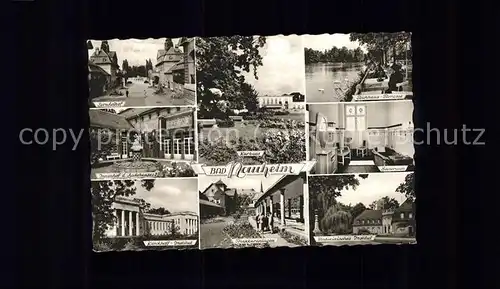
(258, 220)
(271, 223)
(126, 92)
(265, 223)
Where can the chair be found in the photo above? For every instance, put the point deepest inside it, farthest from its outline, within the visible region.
(362, 149)
(344, 153)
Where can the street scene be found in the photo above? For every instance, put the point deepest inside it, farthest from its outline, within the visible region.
(362, 209)
(253, 212)
(256, 104)
(358, 67)
(148, 214)
(136, 73)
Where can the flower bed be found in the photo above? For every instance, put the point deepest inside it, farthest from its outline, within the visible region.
(177, 170)
(279, 146)
(294, 239)
(243, 229)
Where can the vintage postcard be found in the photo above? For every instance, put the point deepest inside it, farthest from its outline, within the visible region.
(141, 72)
(155, 142)
(145, 214)
(358, 67)
(252, 141)
(362, 209)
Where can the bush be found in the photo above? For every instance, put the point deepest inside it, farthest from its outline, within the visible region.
(281, 112)
(294, 239)
(279, 147)
(225, 123)
(241, 230)
(177, 170)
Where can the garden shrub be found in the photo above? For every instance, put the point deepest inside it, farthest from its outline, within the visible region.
(294, 239)
(336, 221)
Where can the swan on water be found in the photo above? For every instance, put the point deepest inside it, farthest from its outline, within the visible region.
(321, 89)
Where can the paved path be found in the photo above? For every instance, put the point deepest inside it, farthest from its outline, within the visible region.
(280, 242)
(211, 236)
(140, 94)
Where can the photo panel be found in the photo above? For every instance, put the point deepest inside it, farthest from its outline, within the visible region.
(362, 209)
(141, 72)
(148, 214)
(251, 99)
(256, 211)
(358, 67)
(156, 142)
(361, 137)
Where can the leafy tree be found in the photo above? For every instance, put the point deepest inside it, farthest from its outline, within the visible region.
(103, 196)
(102, 144)
(325, 189)
(159, 211)
(125, 69)
(243, 200)
(384, 203)
(333, 55)
(382, 42)
(336, 221)
(357, 210)
(220, 64)
(408, 187)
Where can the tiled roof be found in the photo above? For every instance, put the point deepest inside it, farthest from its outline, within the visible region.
(178, 66)
(101, 57)
(104, 119)
(133, 112)
(219, 182)
(406, 206)
(172, 55)
(208, 203)
(93, 68)
(370, 215)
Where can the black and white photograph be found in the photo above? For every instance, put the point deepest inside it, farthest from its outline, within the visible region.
(362, 209)
(141, 72)
(154, 142)
(251, 99)
(254, 211)
(358, 67)
(362, 137)
(149, 214)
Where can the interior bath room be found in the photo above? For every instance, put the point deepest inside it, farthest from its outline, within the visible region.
(367, 137)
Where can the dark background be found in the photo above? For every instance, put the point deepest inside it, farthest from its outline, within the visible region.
(47, 223)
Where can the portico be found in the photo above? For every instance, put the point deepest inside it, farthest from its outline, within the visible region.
(127, 216)
(288, 203)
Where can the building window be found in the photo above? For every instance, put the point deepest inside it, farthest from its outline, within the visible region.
(177, 146)
(355, 117)
(178, 108)
(402, 215)
(410, 215)
(166, 146)
(188, 146)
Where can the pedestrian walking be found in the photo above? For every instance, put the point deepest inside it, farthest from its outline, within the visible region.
(271, 223)
(126, 92)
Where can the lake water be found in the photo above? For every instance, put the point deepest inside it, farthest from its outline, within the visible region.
(320, 78)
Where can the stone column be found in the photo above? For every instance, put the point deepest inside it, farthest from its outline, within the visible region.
(271, 209)
(264, 206)
(137, 222)
(130, 223)
(122, 231)
(316, 231)
(289, 208)
(172, 145)
(117, 226)
(282, 206)
(183, 143)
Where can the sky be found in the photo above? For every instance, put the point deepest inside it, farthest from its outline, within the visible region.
(283, 66)
(327, 41)
(136, 51)
(249, 182)
(373, 188)
(175, 195)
